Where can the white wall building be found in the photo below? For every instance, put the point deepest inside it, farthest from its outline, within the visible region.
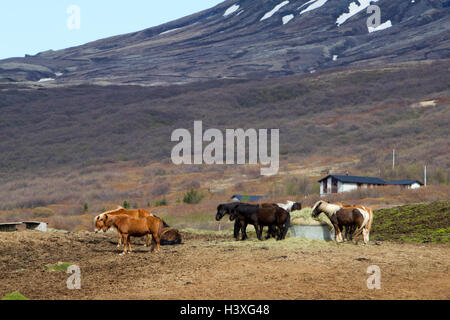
(343, 183)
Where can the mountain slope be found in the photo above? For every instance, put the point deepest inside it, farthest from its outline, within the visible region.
(353, 113)
(245, 39)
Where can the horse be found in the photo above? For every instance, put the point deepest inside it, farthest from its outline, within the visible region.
(350, 232)
(290, 206)
(260, 216)
(170, 236)
(344, 216)
(137, 213)
(227, 208)
(134, 227)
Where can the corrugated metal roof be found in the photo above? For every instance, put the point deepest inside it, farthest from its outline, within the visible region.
(355, 179)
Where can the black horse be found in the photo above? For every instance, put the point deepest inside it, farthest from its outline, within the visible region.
(270, 215)
(227, 208)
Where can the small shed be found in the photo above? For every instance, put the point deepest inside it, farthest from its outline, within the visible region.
(246, 198)
(36, 225)
(9, 226)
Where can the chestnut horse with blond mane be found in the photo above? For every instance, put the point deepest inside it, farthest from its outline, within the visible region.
(127, 227)
(138, 213)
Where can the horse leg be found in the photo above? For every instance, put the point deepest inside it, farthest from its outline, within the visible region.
(158, 241)
(337, 233)
(119, 241)
(243, 230)
(129, 244)
(125, 244)
(237, 228)
(258, 230)
(366, 235)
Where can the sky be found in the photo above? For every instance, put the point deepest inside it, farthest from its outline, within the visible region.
(33, 26)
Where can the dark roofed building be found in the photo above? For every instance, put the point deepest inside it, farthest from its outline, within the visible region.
(335, 183)
(409, 184)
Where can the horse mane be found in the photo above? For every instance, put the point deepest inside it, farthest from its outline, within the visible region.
(108, 212)
(327, 207)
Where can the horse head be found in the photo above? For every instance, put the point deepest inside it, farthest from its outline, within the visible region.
(233, 214)
(98, 224)
(221, 211)
(296, 206)
(317, 209)
(101, 223)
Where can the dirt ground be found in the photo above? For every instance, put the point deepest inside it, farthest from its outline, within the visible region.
(217, 267)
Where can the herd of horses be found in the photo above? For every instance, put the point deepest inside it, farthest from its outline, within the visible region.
(354, 220)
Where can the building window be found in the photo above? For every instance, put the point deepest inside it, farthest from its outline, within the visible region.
(325, 186)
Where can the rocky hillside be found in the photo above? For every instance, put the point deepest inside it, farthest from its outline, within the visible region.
(244, 39)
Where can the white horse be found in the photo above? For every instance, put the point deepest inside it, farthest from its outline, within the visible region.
(341, 216)
(290, 206)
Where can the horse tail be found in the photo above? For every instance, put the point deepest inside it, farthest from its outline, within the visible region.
(366, 226)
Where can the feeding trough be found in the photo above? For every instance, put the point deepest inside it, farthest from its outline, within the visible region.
(312, 232)
(303, 225)
(36, 225)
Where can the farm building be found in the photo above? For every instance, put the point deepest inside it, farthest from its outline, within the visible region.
(342, 183)
(409, 184)
(245, 198)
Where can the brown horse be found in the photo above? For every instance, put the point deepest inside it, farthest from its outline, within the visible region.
(138, 213)
(340, 217)
(134, 227)
(170, 236)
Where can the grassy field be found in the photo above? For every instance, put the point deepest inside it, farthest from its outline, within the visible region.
(428, 222)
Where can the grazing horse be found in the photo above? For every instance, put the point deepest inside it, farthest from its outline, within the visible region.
(134, 227)
(227, 208)
(290, 206)
(138, 213)
(260, 216)
(343, 217)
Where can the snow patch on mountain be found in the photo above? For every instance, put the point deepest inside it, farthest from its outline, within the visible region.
(314, 4)
(169, 31)
(231, 10)
(288, 18)
(274, 10)
(382, 26)
(354, 9)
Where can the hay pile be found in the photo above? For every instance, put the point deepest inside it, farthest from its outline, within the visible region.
(303, 217)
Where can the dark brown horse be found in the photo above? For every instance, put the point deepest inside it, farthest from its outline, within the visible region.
(261, 215)
(227, 208)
